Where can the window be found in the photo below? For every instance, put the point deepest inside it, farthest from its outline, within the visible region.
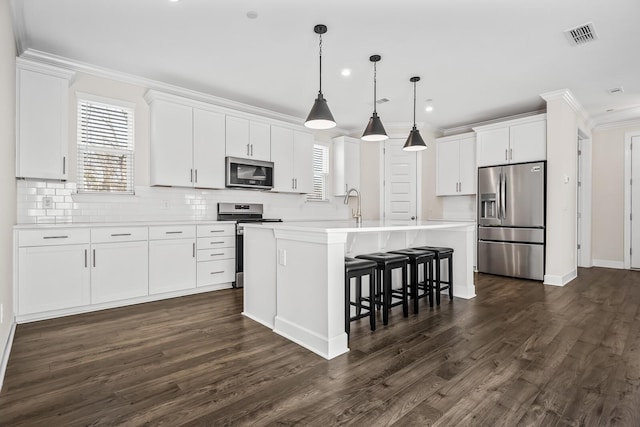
(105, 146)
(320, 172)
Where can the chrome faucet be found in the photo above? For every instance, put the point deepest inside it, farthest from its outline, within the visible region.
(358, 214)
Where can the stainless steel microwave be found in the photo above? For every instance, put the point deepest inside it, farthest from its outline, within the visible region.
(248, 173)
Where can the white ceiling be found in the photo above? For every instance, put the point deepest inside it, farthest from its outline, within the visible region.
(479, 60)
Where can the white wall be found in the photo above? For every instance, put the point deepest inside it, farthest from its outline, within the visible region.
(607, 240)
(7, 171)
(562, 155)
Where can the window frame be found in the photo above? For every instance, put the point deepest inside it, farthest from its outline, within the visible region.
(313, 197)
(82, 147)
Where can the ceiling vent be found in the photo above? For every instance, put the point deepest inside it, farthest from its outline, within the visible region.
(382, 101)
(615, 90)
(581, 34)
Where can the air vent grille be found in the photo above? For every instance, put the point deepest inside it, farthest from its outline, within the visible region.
(615, 90)
(581, 34)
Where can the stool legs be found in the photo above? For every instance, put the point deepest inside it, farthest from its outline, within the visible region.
(372, 299)
(450, 277)
(347, 304)
(438, 281)
(414, 285)
(430, 289)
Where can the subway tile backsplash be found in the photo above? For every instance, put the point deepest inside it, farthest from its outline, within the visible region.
(55, 202)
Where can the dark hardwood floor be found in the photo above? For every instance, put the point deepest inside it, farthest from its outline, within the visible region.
(520, 353)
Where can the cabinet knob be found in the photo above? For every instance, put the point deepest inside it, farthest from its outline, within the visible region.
(413, 218)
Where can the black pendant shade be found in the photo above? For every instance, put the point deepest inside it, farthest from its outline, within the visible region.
(414, 141)
(320, 116)
(375, 130)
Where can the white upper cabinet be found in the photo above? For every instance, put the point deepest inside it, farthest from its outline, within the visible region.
(513, 141)
(456, 165)
(187, 145)
(42, 106)
(292, 154)
(248, 139)
(346, 164)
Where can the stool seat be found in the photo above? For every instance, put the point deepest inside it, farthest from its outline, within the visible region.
(383, 259)
(414, 253)
(437, 250)
(353, 264)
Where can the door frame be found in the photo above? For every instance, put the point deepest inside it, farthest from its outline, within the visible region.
(583, 255)
(383, 192)
(627, 196)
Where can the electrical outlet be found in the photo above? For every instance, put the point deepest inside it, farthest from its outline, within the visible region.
(165, 204)
(47, 202)
(282, 257)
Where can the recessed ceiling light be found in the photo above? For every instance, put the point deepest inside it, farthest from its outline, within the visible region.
(252, 14)
(346, 72)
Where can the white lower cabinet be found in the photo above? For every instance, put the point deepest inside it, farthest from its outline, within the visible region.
(172, 258)
(53, 277)
(119, 271)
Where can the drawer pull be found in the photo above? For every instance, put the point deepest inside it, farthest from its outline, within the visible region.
(216, 231)
(216, 254)
(120, 234)
(216, 243)
(55, 237)
(174, 232)
(217, 272)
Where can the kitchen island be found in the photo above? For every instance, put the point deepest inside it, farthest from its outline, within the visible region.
(294, 271)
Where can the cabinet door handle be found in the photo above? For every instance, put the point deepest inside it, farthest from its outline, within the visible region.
(94, 257)
(505, 154)
(296, 181)
(510, 153)
(247, 149)
(216, 231)
(55, 237)
(194, 250)
(191, 176)
(85, 258)
(216, 243)
(64, 165)
(174, 232)
(292, 184)
(120, 234)
(196, 175)
(345, 189)
(216, 254)
(251, 150)
(217, 272)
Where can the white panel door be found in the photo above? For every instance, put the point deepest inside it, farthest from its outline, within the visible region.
(528, 142)
(281, 156)
(119, 271)
(303, 162)
(635, 202)
(171, 144)
(468, 169)
(208, 149)
(447, 168)
(52, 278)
(172, 265)
(400, 172)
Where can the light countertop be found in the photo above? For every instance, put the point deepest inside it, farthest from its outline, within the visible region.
(116, 224)
(366, 226)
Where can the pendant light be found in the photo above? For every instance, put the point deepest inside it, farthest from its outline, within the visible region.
(374, 130)
(320, 116)
(414, 141)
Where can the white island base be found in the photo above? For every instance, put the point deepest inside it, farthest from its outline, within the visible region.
(294, 272)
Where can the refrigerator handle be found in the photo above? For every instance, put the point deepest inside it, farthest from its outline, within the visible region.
(499, 196)
(504, 197)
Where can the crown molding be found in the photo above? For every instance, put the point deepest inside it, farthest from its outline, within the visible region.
(620, 118)
(618, 124)
(569, 98)
(19, 33)
(149, 84)
(470, 127)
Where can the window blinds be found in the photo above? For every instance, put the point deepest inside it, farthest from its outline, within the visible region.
(105, 148)
(320, 172)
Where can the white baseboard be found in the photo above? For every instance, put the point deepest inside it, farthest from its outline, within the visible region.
(608, 264)
(7, 351)
(320, 345)
(257, 319)
(557, 280)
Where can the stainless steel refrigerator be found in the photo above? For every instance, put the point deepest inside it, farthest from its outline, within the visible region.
(511, 220)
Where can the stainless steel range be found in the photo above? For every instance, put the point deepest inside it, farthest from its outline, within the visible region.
(242, 213)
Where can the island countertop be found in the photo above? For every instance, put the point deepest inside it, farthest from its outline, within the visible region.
(366, 226)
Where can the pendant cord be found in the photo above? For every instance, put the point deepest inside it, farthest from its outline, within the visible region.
(414, 104)
(320, 74)
(374, 87)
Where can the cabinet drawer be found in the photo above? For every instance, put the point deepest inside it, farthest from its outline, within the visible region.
(216, 242)
(215, 254)
(119, 234)
(166, 232)
(214, 272)
(210, 230)
(51, 237)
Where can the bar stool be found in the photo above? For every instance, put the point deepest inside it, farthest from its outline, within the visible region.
(386, 263)
(441, 255)
(357, 268)
(425, 258)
